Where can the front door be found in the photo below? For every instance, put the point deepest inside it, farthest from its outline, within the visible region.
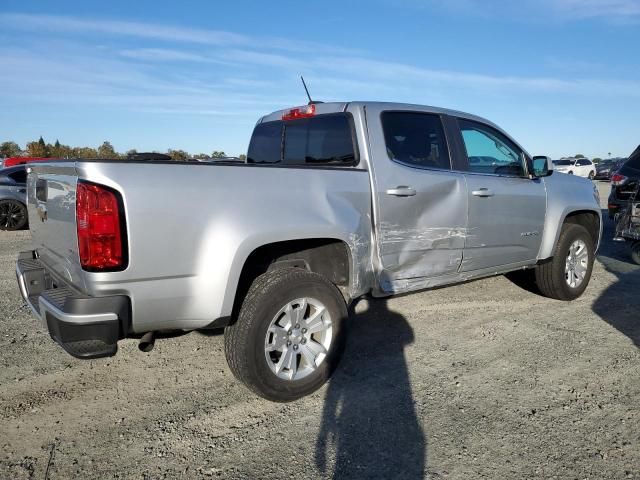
(420, 203)
(506, 208)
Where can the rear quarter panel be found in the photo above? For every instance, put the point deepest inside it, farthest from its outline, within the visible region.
(191, 228)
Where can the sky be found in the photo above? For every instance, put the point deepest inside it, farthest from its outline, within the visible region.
(561, 76)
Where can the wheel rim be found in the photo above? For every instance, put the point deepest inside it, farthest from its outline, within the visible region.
(577, 264)
(298, 338)
(11, 214)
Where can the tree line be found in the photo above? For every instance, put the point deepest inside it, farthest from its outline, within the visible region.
(41, 149)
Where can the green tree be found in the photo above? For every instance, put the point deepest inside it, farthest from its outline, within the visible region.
(579, 155)
(84, 152)
(178, 154)
(58, 150)
(243, 157)
(9, 149)
(37, 149)
(218, 154)
(202, 156)
(597, 160)
(106, 150)
(131, 152)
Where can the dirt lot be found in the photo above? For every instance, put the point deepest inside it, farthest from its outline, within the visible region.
(481, 380)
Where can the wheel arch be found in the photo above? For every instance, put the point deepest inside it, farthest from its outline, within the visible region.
(331, 257)
(589, 218)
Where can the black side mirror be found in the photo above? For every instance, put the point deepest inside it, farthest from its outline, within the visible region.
(542, 166)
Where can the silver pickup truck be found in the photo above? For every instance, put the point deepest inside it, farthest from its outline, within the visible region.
(335, 201)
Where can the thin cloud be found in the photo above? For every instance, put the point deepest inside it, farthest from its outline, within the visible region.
(161, 32)
(533, 10)
(598, 8)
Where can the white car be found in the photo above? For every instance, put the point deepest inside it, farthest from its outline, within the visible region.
(583, 167)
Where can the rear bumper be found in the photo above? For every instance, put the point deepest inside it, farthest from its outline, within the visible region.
(86, 327)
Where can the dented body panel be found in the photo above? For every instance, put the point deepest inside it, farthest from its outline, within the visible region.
(191, 227)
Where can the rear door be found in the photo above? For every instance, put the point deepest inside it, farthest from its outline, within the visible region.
(506, 208)
(420, 201)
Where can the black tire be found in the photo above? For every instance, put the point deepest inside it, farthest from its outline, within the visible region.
(570, 173)
(550, 275)
(13, 215)
(635, 252)
(244, 340)
(591, 175)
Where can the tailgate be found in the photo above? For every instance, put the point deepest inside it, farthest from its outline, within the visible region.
(51, 191)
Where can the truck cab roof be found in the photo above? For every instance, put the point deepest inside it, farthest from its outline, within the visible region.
(333, 107)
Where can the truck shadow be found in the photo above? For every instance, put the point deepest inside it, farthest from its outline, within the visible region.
(369, 418)
(619, 304)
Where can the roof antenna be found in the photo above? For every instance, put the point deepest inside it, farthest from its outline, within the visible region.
(311, 102)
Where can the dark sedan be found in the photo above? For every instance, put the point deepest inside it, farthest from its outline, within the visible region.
(13, 198)
(606, 168)
(623, 182)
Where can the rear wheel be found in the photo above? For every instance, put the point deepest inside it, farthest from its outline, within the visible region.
(591, 175)
(288, 336)
(13, 215)
(566, 275)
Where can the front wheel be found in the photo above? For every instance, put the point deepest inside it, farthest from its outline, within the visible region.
(13, 215)
(591, 175)
(287, 339)
(566, 275)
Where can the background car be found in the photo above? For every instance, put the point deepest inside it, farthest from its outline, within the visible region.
(13, 161)
(13, 198)
(608, 167)
(582, 167)
(623, 182)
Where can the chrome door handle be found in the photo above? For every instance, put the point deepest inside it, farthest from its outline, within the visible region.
(483, 192)
(401, 191)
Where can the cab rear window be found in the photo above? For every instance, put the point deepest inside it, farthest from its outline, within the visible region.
(322, 140)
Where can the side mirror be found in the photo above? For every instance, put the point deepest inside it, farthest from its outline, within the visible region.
(542, 166)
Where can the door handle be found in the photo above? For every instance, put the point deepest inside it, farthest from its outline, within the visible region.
(483, 192)
(401, 191)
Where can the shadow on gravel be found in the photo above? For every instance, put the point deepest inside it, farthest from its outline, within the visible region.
(369, 416)
(619, 304)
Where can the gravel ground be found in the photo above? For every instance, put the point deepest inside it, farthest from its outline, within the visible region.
(481, 380)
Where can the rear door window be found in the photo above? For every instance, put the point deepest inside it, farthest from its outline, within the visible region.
(416, 139)
(323, 140)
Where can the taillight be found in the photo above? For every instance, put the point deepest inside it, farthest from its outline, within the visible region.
(618, 179)
(300, 112)
(100, 233)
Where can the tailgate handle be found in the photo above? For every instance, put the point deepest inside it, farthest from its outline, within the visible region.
(483, 192)
(41, 190)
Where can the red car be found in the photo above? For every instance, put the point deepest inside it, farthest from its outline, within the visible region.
(13, 161)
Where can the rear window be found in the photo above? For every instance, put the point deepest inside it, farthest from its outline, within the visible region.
(19, 176)
(322, 140)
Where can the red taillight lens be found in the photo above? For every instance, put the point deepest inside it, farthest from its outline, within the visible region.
(617, 179)
(300, 112)
(100, 241)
